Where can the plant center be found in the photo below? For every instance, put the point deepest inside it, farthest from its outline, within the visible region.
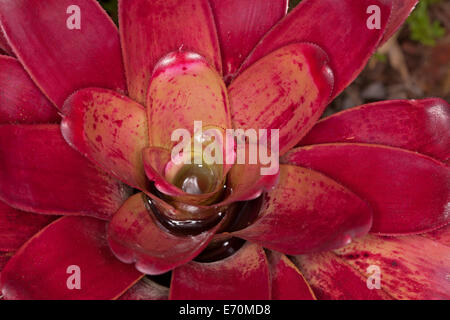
(196, 179)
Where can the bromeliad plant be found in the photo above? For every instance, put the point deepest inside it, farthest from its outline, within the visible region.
(87, 115)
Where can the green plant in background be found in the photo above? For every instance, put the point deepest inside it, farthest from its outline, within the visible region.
(422, 29)
(293, 3)
(111, 7)
(380, 57)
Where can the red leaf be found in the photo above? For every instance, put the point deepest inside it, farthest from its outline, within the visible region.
(333, 279)
(136, 236)
(150, 29)
(287, 281)
(146, 289)
(16, 227)
(41, 173)
(241, 24)
(20, 100)
(286, 90)
(308, 212)
(242, 276)
(184, 89)
(400, 11)
(110, 130)
(339, 27)
(410, 267)
(417, 125)
(39, 270)
(408, 192)
(62, 60)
